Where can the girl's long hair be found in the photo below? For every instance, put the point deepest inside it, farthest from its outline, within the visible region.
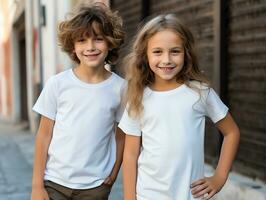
(138, 72)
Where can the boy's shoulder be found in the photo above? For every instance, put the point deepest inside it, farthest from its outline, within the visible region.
(118, 76)
(62, 74)
(55, 78)
(118, 79)
(118, 84)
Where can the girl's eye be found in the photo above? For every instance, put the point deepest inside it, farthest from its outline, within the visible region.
(176, 51)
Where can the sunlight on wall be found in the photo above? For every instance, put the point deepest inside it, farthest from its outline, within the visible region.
(107, 2)
(2, 81)
(7, 11)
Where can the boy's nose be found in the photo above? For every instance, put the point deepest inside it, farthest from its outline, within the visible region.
(90, 45)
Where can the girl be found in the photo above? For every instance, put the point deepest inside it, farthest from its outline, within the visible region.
(168, 99)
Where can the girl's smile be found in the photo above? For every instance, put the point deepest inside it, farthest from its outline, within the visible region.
(167, 68)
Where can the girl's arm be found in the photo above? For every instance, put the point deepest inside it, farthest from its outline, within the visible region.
(131, 154)
(212, 185)
(120, 142)
(43, 139)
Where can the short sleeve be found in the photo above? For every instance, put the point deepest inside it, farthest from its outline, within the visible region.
(121, 108)
(46, 104)
(129, 125)
(214, 107)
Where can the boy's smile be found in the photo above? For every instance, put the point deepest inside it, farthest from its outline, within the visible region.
(93, 55)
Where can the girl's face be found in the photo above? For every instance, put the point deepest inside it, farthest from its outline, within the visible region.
(91, 51)
(165, 54)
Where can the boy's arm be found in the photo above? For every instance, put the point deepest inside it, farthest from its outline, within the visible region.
(43, 139)
(212, 185)
(120, 142)
(131, 154)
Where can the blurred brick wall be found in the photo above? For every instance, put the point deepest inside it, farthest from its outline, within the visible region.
(130, 11)
(247, 82)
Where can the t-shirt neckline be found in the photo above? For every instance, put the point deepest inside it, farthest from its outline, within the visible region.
(85, 84)
(167, 92)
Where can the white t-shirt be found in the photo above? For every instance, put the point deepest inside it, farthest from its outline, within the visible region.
(82, 152)
(172, 128)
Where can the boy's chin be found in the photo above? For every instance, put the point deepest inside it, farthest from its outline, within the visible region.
(93, 65)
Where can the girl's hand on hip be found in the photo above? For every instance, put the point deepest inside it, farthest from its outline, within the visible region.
(207, 187)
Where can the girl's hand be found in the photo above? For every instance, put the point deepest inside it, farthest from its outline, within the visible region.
(207, 187)
(39, 194)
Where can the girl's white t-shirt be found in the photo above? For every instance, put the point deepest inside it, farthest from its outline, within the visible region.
(172, 129)
(82, 151)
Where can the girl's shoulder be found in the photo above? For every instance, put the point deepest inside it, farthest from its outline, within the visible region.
(194, 84)
(200, 89)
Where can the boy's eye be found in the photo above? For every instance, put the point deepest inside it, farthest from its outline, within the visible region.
(99, 38)
(157, 52)
(80, 40)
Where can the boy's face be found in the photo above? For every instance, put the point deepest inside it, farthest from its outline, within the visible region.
(91, 51)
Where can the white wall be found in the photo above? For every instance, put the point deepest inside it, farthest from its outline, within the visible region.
(53, 60)
(64, 61)
(29, 5)
(49, 52)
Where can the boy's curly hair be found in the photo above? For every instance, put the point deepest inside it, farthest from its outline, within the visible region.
(91, 20)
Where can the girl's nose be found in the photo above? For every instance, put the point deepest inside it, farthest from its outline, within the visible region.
(166, 58)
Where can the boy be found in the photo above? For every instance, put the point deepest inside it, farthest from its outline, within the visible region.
(77, 154)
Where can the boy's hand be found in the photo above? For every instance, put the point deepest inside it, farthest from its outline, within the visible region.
(207, 187)
(109, 181)
(39, 194)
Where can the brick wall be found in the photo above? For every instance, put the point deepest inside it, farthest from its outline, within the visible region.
(247, 82)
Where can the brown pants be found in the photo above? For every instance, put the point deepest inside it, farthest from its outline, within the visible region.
(59, 192)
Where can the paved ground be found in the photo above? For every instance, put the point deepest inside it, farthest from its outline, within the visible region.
(15, 163)
(16, 158)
